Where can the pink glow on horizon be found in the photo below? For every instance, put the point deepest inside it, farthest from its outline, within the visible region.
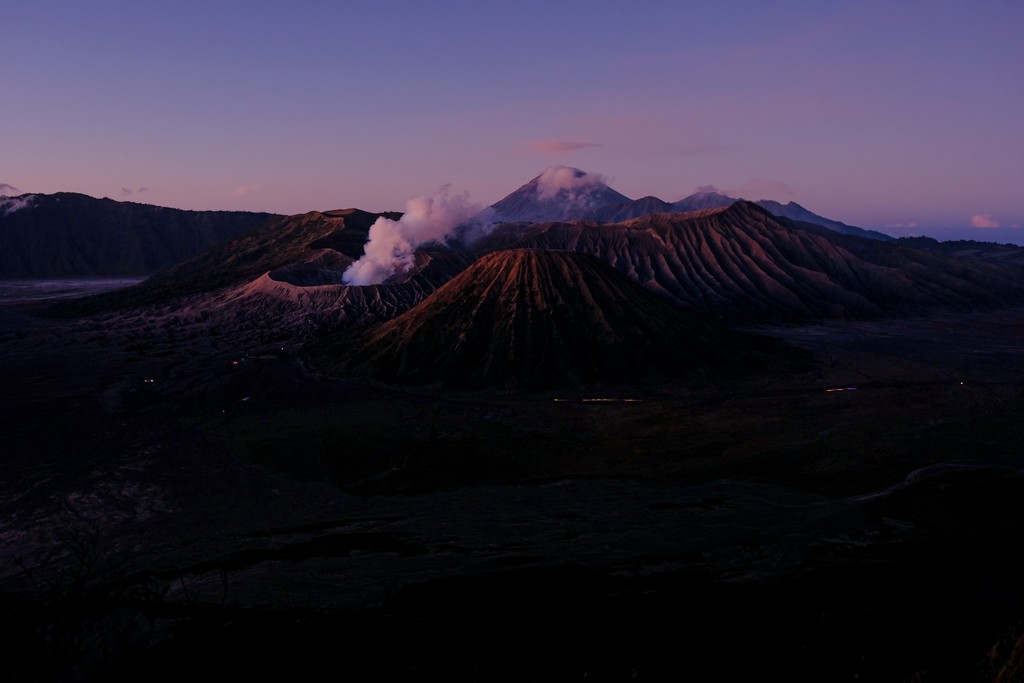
(872, 113)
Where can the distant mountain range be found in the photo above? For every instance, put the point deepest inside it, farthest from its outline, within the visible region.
(737, 263)
(552, 301)
(73, 235)
(69, 235)
(563, 193)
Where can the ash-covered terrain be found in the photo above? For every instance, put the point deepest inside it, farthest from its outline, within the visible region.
(707, 444)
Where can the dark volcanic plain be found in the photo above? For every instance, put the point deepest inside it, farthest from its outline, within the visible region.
(715, 445)
(180, 496)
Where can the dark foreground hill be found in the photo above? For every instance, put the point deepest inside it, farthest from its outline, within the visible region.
(969, 249)
(67, 235)
(542, 318)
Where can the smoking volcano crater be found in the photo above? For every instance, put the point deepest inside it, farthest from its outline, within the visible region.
(539, 318)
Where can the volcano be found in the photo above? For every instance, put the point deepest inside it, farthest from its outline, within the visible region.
(289, 274)
(538, 318)
(559, 193)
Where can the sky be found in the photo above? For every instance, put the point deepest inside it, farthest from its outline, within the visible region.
(898, 115)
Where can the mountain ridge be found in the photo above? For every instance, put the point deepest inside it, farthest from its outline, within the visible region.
(593, 200)
(73, 235)
(741, 263)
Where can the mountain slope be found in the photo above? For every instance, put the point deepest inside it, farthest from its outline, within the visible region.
(284, 241)
(794, 211)
(73, 235)
(616, 213)
(701, 201)
(540, 318)
(741, 263)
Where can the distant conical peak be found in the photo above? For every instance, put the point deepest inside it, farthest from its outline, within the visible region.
(558, 193)
(561, 180)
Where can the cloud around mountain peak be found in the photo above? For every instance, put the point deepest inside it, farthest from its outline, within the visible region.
(558, 179)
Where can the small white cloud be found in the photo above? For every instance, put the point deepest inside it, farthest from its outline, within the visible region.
(558, 146)
(7, 189)
(983, 220)
(242, 190)
(911, 224)
(566, 180)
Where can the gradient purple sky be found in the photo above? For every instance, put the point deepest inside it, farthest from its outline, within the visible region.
(901, 115)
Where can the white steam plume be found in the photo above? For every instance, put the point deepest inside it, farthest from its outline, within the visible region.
(390, 248)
